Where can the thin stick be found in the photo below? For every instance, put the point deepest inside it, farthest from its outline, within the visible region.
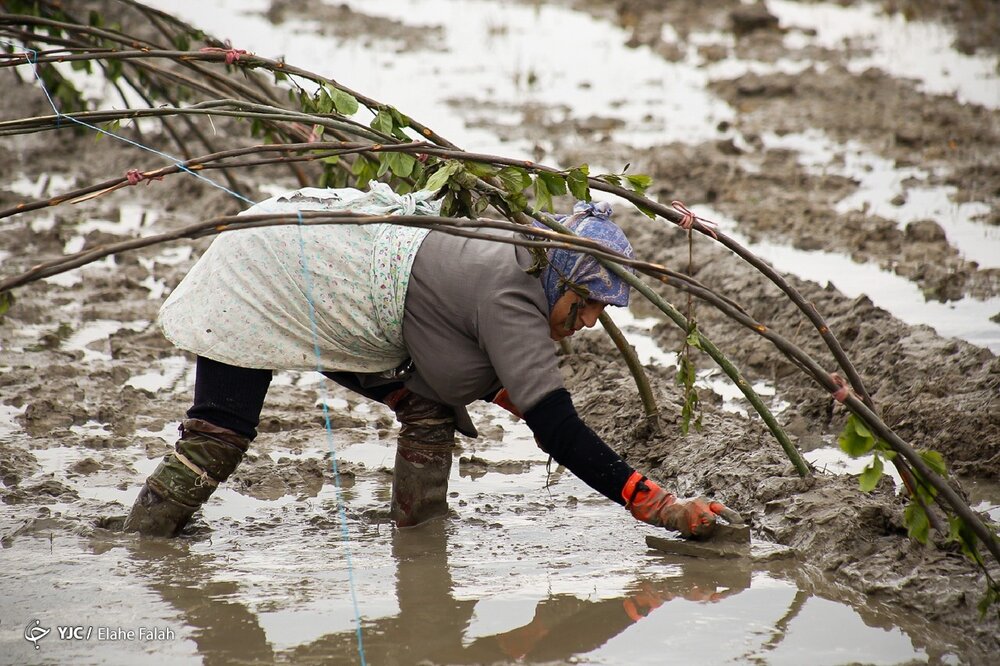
(635, 367)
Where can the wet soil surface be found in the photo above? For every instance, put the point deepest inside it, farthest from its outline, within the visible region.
(91, 394)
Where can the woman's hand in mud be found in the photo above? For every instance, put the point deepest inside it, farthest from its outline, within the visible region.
(651, 504)
(692, 517)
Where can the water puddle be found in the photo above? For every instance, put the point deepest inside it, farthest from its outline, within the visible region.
(909, 49)
(84, 338)
(40, 186)
(890, 192)
(510, 59)
(533, 567)
(489, 585)
(968, 319)
(519, 33)
(170, 372)
(8, 416)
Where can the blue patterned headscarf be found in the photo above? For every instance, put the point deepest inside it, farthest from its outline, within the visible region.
(591, 220)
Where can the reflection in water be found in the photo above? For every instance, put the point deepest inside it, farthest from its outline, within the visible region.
(209, 591)
(431, 623)
(224, 630)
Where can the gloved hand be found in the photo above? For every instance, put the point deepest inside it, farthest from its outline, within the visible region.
(647, 502)
(643, 602)
(502, 398)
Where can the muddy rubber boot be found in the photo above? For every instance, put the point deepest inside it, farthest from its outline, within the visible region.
(423, 460)
(204, 456)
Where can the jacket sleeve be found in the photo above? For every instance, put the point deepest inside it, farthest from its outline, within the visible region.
(563, 435)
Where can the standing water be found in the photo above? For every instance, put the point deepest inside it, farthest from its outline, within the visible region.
(534, 566)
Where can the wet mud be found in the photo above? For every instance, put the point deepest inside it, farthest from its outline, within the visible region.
(530, 566)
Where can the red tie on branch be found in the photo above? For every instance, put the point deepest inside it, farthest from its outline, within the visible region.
(843, 388)
(134, 177)
(232, 55)
(687, 222)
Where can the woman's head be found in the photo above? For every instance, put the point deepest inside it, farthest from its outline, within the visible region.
(577, 282)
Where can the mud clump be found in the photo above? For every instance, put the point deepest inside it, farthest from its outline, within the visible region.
(46, 491)
(265, 479)
(936, 393)
(843, 535)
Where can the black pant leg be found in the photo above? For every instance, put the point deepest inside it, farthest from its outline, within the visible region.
(228, 396)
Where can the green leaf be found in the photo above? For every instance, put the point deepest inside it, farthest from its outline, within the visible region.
(111, 128)
(448, 204)
(401, 164)
(514, 179)
(693, 339)
(611, 179)
(639, 182)
(554, 183)
(382, 122)
(516, 201)
(383, 164)
(480, 170)
(935, 461)
(335, 177)
(686, 376)
(917, 525)
(364, 170)
(645, 210)
(417, 174)
(543, 198)
(870, 476)
(855, 443)
(6, 302)
(405, 165)
(963, 535)
(924, 491)
(576, 179)
(442, 175)
(113, 69)
(320, 103)
(399, 121)
(991, 597)
(480, 206)
(344, 102)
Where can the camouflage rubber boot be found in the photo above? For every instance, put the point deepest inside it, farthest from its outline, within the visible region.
(204, 457)
(423, 459)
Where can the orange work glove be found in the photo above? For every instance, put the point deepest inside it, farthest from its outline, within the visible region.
(502, 398)
(642, 603)
(647, 502)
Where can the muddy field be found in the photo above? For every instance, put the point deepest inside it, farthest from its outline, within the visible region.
(531, 566)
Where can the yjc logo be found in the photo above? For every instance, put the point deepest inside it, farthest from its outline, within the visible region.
(34, 632)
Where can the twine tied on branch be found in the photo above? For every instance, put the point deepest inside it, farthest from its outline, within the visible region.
(843, 388)
(135, 176)
(232, 55)
(687, 222)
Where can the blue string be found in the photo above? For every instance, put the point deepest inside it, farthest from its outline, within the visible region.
(33, 59)
(341, 509)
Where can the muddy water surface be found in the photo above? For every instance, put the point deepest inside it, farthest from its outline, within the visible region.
(531, 565)
(289, 561)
